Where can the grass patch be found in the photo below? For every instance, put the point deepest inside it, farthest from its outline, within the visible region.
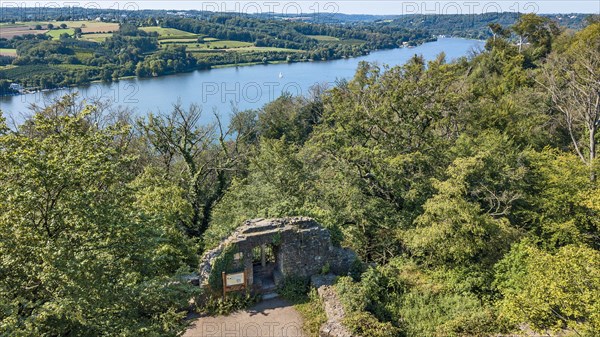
(324, 38)
(226, 44)
(179, 41)
(84, 55)
(265, 49)
(229, 45)
(308, 303)
(99, 37)
(56, 33)
(313, 313)
(169, 33)
(8, 52)
(330, 39)
(10, 25)
(199, 51)
(351, 41)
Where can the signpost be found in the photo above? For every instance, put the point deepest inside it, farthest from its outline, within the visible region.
(234, 281)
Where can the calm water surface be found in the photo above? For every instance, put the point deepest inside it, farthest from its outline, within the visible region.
(244, 87)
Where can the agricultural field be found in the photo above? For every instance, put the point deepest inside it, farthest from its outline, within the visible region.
(324, 38)
(330, 39)
(20, 72)
(194, 45)
(86, 26)
(352, 41)
(8, 52)
(228, 44)
(98, 37)
(8, 31)
(91, 27)
(179, 41)
(23, 72)
(265, 49)
(169, 33)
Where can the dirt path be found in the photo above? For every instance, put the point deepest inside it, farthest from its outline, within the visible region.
(270, 318)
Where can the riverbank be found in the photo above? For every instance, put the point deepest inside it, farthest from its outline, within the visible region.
(33, 90)
(246, 87)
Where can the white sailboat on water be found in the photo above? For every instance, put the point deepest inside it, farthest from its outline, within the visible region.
(280, 75)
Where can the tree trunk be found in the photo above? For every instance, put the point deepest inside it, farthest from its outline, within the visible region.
(593, 130)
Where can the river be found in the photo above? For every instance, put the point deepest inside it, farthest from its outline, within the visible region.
(245, 87)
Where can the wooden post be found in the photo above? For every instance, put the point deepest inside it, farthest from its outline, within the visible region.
(263, 258)
(224, 283)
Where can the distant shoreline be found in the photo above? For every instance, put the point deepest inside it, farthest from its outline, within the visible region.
(219, 66)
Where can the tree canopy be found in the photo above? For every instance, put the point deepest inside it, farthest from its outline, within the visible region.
(468, 189)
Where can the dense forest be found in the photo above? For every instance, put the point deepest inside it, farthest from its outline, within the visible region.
(469, 190)
(474, 26)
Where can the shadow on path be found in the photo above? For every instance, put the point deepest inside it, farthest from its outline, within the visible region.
(273, 317)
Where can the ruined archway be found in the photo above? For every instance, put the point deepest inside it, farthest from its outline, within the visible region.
(269, 250)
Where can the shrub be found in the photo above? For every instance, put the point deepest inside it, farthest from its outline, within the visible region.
(294, 289)
(356, 269)
(440, 314)
(366, 325)
(313, 313)
(350, 294)
(221, 264)
(215, 305)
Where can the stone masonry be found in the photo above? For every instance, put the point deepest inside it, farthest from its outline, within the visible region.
(301, 246)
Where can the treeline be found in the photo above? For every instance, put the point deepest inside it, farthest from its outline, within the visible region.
(296, 35)
(25, 13)
(476, 26)
(468, 189)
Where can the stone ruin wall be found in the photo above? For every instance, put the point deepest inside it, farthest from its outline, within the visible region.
(304, 248)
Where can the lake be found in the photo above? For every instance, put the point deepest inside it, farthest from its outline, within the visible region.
(245, 87)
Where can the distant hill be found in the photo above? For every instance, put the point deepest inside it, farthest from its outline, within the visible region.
(461, 25)
(475, 26)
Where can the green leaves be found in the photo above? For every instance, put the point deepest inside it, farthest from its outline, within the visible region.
(562, 214)
(552, 291)
(79, 255)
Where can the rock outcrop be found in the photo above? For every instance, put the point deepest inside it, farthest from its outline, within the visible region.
(333, 307)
